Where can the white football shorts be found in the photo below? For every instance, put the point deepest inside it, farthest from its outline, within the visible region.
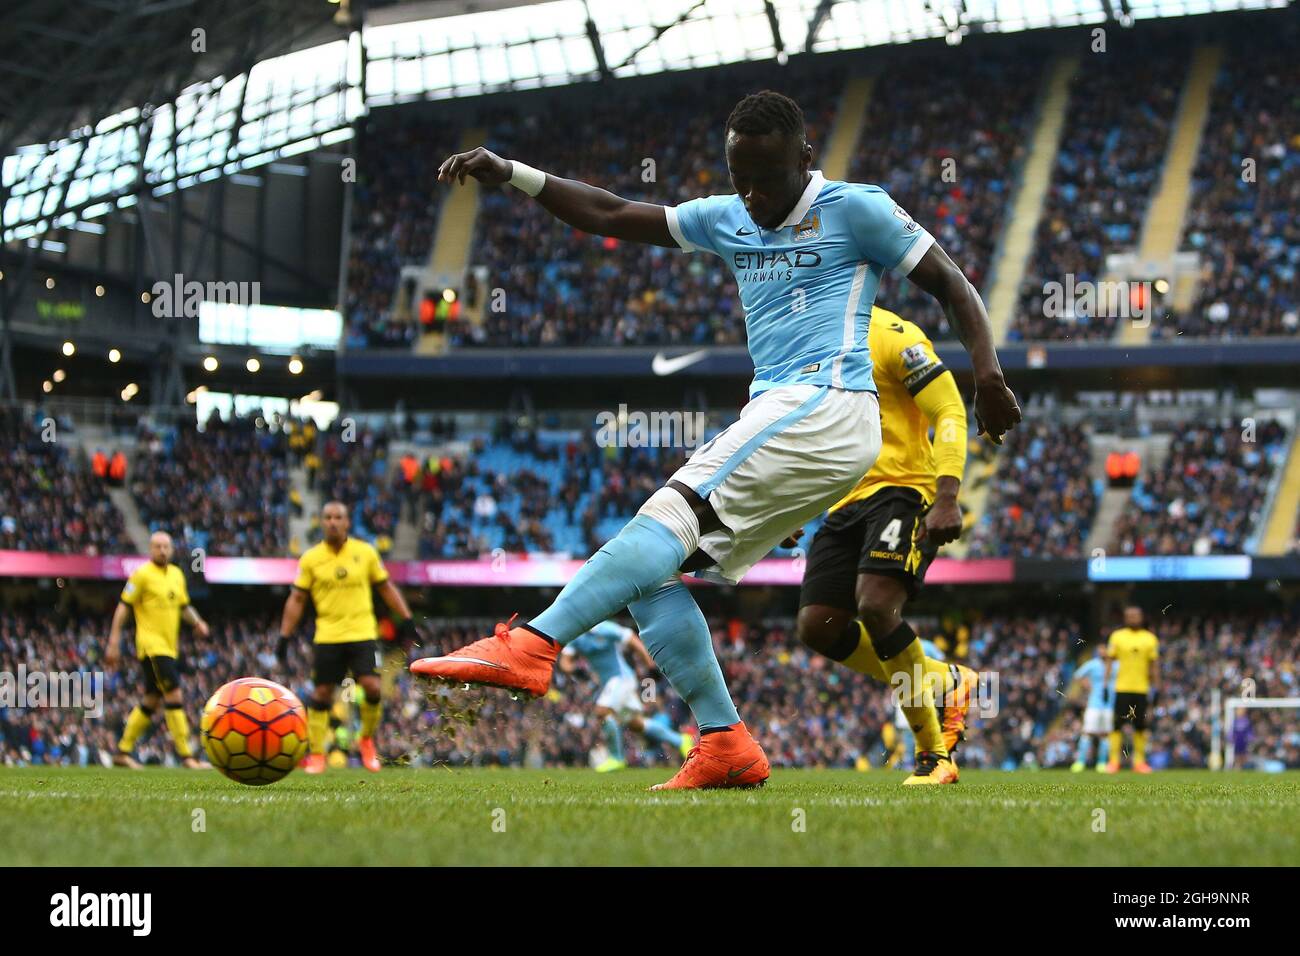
(622, 695)
(1098, 720)
(794, 452)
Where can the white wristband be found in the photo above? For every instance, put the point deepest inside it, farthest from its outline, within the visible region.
(526, 178)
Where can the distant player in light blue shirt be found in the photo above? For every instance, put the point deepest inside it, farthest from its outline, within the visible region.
(807, 255)
(618, 703)
(1098, 713)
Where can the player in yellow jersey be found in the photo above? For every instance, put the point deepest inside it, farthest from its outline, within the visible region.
(1136, 652)
(339, 574)
(157, 595)
(873, 550)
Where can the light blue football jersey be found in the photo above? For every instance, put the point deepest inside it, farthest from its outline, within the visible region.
(1094, 670)
(808, 286)
(602, 646)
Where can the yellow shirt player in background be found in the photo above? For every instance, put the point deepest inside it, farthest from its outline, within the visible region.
(1136, 652)
(338, 574)
(157, 595)
(873, 549)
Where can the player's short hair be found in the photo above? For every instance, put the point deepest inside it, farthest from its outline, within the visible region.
(767, 111)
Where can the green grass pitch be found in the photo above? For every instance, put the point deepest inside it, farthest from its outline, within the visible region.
(802, 817)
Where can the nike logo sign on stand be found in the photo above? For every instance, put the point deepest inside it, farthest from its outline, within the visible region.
(663, 365)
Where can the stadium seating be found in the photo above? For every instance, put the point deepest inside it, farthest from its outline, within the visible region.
(1208, 496)
(395, 207)
(1243, 220)
(1042, 501)
(49, 500)
(1107, 168)
(225, 489)
(944, 136)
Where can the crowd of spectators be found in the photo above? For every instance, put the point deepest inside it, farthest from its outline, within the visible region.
(944, 136)
(395, 208)
(50, 499)
(806, 711)
(563, 287)
(1208, 496)
(1042, 502)
(528, 489)
(1121, 109)
(1245, 192)
(224, 489)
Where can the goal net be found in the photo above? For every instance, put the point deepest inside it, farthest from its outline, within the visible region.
(1231, 735)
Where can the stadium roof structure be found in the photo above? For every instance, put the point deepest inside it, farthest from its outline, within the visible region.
(104, 100)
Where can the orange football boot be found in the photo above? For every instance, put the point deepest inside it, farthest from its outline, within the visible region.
(314, 764)
(932, 769)
(514, 658)
(955, 706)
(1142, 766)
(730, 758)
(369, 759)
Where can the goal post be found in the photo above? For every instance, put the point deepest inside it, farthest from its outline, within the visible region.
(1230, 707)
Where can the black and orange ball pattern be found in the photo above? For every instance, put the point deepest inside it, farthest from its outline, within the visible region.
(254, 730)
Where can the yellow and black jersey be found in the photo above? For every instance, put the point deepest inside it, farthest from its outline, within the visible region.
(156, 596)
(915, 395)
(1133, 650)
(339, 583)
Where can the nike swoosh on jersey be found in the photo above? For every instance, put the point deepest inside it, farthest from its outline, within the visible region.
(742, 231)
(663, 365)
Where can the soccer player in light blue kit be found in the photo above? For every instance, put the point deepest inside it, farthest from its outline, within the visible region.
(605, 648)
(1099, 713)
(807, 254)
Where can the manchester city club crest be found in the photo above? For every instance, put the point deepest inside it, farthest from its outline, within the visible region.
(810, 227)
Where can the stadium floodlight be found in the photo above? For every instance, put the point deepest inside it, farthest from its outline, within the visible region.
(1230, 708)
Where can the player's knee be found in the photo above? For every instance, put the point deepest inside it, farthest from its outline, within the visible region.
(880, 606)
(818, 628)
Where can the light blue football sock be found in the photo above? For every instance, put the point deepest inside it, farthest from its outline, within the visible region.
(662, 734)
(614, 737)
(1081, 753)
(643, 555)
(675, 633)
(1103, 748)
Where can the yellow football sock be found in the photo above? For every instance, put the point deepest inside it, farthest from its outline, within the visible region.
(136, 724)
(917, 702)
(179, 728)
(1116, 745)
(864, 661)
(318, 729)
(1139, 746)
(370, 714)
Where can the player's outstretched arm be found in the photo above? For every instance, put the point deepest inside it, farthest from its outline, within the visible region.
(584, 207)
(996, 409)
